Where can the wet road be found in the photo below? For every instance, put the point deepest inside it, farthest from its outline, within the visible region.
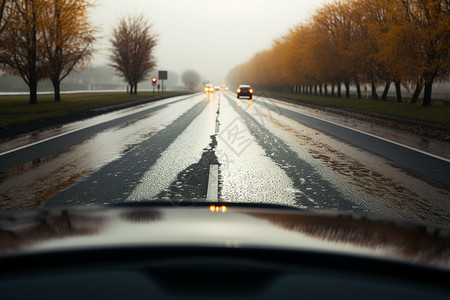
(264, 151)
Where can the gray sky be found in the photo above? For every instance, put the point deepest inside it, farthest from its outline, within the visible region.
(209, 36)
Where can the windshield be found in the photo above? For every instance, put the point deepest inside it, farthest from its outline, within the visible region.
(315, 105)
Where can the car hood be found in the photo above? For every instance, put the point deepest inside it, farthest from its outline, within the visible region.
(217, 225)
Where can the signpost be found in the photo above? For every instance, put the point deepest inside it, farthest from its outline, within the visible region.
(162, 75)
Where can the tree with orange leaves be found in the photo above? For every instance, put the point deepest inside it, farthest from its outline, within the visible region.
(20, 52)
(336, 27)
(362, 42)
(428, 25)
(45, 39)
(67, 39)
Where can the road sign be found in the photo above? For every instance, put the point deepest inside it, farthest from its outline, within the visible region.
(162, 75)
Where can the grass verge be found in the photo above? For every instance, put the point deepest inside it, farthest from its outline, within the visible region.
(17, 110)
(437, 113)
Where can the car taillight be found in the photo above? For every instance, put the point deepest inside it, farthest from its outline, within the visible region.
(238, 90)
(251, 91)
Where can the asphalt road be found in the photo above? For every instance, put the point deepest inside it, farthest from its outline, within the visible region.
(218, 148)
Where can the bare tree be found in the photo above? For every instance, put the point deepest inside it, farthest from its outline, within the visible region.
(190, 79)
(67, 37)
(132, 50)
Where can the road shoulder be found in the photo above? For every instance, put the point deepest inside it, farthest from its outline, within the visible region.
(354, 121)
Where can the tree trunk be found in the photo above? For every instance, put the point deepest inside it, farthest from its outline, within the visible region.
(347, 89)
(131, 88)
(33, 91)
(135, 88)
(325, 88)
(339, 90)
(418, 89)
(320, 89)
(374, 91)
(398, 91)
(32, 62)
(332, 91)
(427, 93)
(358, 91)
(386, 91)
(56, 90)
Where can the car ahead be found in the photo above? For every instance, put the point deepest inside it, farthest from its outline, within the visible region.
(209, 89)
(209, 250)
(245, 91)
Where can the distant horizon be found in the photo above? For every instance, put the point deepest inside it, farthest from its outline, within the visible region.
(208, 36)
(441, 90)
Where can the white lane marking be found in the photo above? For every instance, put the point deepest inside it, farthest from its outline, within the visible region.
(138, 110)
(366, 133)
(217, 126)
(213, 184)
(46, 140)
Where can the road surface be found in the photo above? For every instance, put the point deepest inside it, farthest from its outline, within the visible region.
(214, 147)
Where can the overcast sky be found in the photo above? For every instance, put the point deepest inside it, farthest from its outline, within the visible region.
(209, 36)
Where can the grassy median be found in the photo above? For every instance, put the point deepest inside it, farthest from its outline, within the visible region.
(17, 110)
(439, 111)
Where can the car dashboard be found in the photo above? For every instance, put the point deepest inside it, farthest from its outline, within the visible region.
(91, 253)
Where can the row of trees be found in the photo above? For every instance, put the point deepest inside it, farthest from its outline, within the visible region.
(44, 39)
(355, 42)
(48, 39)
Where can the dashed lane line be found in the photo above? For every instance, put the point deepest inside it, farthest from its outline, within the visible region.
(212, 194)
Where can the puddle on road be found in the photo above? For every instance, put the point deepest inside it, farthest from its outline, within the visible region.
(380, 187)
(31, 185)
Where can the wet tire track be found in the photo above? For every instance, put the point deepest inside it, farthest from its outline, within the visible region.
(312, 191)
(192, 183)
(115, 181)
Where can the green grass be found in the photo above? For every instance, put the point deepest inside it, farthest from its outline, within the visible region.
(438, 112)
(17, 110)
